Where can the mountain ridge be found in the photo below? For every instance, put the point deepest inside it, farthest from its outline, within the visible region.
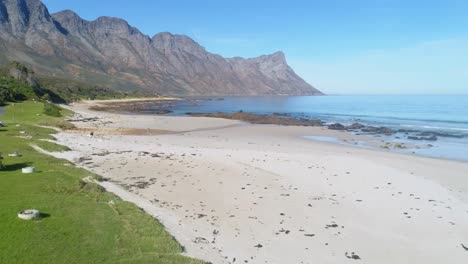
(111, 52)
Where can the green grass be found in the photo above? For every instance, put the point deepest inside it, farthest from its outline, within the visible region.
(51, 146)
(83, 225)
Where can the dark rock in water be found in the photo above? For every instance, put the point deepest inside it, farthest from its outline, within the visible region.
(336, 126)
(438, 134)
(147, 106)
(157, 111)
(281, 114)
(431, 138)
(407, 131)
(370, 129)
(378, 130)
(387, 131)
(425, 134)
(355, 126)
(449, 135)
(262, 119)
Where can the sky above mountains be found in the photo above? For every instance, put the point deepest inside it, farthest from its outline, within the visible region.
(340, 47)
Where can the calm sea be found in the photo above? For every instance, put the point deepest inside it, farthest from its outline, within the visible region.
(445, 114)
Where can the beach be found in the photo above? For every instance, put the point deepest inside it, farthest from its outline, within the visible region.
(232, 192)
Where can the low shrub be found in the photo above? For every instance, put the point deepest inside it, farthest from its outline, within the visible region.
(52, 110)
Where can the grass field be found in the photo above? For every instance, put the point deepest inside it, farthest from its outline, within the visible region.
(81, 223)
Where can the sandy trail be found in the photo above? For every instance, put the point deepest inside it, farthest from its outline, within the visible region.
(237, 193)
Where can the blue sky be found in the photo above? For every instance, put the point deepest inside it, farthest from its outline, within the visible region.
(341, 47)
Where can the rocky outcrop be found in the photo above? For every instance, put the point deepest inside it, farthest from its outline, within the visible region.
(336, 126)
(262, 119)
(111, 52)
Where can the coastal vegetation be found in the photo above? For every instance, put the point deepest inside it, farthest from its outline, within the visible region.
(80, 222)
(52, 110)
(18, 82)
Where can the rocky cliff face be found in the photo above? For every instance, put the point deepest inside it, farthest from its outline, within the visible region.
(112, 53)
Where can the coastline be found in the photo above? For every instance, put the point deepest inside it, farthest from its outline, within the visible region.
(226, 189)
(424, 140)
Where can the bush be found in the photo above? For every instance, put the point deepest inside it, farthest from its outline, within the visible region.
(52, 110)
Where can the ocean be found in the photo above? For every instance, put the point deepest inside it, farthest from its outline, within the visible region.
(442, 114)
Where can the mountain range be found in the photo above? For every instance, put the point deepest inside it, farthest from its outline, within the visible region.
(109, 52)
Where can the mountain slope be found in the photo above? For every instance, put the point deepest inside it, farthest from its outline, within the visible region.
(110, 52)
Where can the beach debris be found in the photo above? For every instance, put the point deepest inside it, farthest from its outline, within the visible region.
(284, 231)
(464, 247)
(28, 170)
(201, 240)
(83, 159)
(14, 154)
(258, 246)
(1, 124)
(101, 154)
(29, 214)
(90, 119)
(352, 256)
(89, 179)
(309, 235)
(201, 215)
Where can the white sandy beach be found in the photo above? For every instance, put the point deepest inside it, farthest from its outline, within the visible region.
(232, 192)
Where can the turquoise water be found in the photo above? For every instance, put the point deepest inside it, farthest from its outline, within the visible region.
(447, 114)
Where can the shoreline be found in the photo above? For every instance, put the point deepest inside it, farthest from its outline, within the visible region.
(403, 141)
(252, 192)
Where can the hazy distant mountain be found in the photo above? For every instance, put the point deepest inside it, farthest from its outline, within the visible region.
(110, 52)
